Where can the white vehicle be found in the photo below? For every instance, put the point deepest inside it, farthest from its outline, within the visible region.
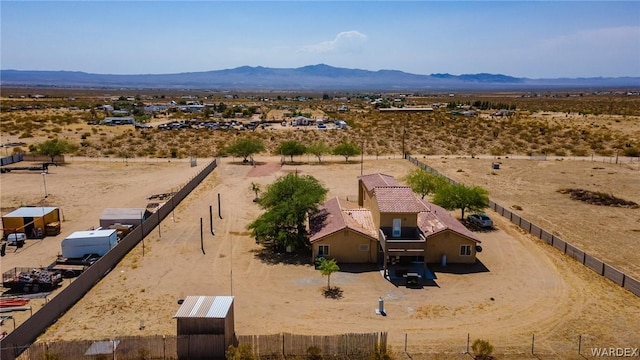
(481, 220)
(15, 238)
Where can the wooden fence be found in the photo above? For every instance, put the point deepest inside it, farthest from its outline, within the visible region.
(344, 346)
(353, 346)
(593, 263)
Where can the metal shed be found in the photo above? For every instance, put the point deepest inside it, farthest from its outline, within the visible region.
(30, 220)
(125, 216)
(205, 327)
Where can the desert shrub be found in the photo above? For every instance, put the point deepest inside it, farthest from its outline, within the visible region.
(631, 152)
(314, 353)
(482, 349)
(26, 135)
(382, 353)
(241, 352)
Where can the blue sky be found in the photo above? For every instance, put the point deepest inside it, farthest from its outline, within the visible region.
(534, 39)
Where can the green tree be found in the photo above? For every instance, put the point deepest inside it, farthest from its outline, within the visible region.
(327, 267)
(291, 148)
(318, 149)
(463, 197)
(245, 147)
(287, 202)
(346, 149)
(53, 148)
(424, 183)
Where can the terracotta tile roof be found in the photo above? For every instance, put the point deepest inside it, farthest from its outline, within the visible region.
(397, 199)
(435, 219)
(332, 218)
(372, 181)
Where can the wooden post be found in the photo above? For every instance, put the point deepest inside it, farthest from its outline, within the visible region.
(533, 339)
(405, 342)
(580, 344)
(219, 211)
(201, 238)
(468, 340)
(211, 218)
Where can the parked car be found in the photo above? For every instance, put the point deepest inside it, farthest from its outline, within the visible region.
(481, 220)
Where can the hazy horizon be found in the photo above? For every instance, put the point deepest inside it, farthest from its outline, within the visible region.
(532, 39)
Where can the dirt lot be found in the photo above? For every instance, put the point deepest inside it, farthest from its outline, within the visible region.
(533, 186)
(522, 287)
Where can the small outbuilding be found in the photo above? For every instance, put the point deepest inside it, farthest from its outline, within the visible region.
(205, 327)
(31, 221)
(123, 216)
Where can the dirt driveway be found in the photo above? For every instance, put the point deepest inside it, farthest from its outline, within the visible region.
(527, 287)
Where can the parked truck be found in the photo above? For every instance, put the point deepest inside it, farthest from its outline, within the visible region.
(82, 243)
(31, 279)
(72, 267)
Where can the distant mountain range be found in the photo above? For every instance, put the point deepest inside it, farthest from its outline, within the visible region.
(308, 78)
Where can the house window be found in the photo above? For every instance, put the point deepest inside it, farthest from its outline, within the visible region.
(465, 250)
(363, 247)
(323, 250)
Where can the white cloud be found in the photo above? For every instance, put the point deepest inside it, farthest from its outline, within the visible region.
(345, 41)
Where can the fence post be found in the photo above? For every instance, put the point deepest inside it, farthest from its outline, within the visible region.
(533, 339)
(405, 342)
(579, 344)
(468, 339)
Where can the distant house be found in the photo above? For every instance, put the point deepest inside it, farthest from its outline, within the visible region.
(391, 226)
(129, 120)
(301, 121)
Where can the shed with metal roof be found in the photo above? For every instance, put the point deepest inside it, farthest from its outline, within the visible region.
(205, 327)
(124, 216)
(31, 220)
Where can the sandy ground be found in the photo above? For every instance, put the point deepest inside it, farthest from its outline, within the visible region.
(526, 287)
(534, 185)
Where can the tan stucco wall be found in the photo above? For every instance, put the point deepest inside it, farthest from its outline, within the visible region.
(344, 246)
(408, 220)
(449, 243)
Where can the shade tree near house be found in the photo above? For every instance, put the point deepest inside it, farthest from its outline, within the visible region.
(287, 202)
(346, 149)
(424, 183)
(463, 197)
(245, 147)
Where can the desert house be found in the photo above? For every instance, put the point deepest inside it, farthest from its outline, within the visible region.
(35, 222)
(392, 227)
(205, 327)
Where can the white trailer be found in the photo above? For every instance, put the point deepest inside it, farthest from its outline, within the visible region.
(82, 243)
